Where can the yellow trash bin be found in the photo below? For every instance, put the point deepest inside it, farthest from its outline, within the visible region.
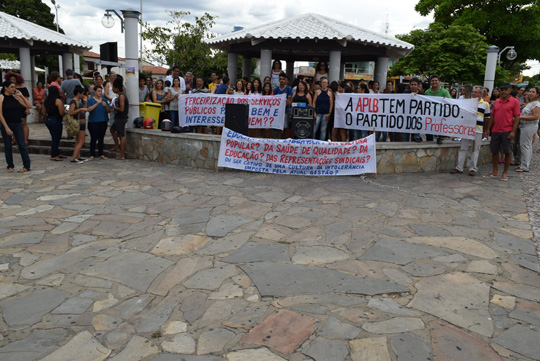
(150, 110)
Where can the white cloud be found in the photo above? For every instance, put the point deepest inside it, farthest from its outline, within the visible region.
(81, 19)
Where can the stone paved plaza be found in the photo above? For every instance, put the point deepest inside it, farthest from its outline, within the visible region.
(133, 260)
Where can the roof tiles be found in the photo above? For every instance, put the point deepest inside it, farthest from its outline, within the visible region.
(11, 27)
(312, 26)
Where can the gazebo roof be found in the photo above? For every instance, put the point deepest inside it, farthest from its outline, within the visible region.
(312, 27)
(13, 28)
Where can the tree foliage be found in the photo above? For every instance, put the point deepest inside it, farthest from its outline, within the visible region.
(456, 53)
(502, 22)
(38, 13)
(34, 11)
(181, 43)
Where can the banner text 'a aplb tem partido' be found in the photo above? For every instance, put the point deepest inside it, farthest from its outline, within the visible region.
(265, 112)
(300, 157)
(407, 113)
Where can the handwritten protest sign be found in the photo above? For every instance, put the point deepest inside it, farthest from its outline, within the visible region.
(209, 109)
(407, 113)
(301, 157)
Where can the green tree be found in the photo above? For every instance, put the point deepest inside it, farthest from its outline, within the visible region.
(456, 53)
(181, 43)
(34, 11)
(38, 13)
(502, 22)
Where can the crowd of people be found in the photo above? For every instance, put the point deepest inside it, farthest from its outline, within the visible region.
(104, 104)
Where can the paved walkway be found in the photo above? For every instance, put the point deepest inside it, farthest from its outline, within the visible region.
(131, 260)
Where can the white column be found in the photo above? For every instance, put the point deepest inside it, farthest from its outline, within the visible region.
(131, 31)
(33, 72)
(77, 64)
(26, 68)
(266, 63)
(67, 61)
(335, 65)
(491, 65)
(290, 70)
(60, 65)
(246, 67)
(232, 67)
(381, 69)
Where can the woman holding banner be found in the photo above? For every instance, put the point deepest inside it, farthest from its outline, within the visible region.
(324, 103)
(267, 91)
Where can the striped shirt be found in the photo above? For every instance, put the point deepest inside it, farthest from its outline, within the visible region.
(483, 112)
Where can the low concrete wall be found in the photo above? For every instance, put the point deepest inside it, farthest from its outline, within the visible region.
(202, 151)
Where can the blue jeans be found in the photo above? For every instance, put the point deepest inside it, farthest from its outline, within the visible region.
(18, 133)
(356, 134)
(320, 122)
(378, 136)
(55, 128)
(97, 134)
(174, 118)
(405, 137)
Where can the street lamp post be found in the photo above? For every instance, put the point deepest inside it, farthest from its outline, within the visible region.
(129, 26)
(494, 58)
(60, 60)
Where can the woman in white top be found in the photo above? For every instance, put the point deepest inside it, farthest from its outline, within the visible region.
(276, 70)
(321, 71)
(174, 94)
(111, 96)
(256, 87)
(528, 125)
(240, 88)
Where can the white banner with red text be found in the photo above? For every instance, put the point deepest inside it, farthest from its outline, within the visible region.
(297, 156)
(407, 113)
(265, 112)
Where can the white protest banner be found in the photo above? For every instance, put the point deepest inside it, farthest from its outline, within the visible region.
(297, 156)
(407, 113)
(209, 109)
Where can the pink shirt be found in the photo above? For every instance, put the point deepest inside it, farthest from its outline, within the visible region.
(503, 113)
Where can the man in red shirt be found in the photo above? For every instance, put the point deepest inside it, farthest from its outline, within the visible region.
(502, 127)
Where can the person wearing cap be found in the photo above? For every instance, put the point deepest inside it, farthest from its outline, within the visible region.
(436, 91)
(68, 86)
(502, 127)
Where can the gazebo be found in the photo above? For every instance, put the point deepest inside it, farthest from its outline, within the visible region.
(310, 37)
(27, 40)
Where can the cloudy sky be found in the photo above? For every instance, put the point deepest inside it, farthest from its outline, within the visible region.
(81, 19)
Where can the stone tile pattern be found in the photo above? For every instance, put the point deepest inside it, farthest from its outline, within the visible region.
(404, 267)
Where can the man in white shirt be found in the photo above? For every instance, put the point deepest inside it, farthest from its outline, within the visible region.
(176, 74)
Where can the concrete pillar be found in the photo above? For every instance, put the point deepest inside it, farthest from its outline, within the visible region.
(266, 63)
(246, 67)
(131, 32)
(26, 69)
(335, 65)
(67, 61)
(491, 65)
(381, 69)
(60, 66)
(232, 67)
(33, 72)
(290, 70)
(77, 64)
